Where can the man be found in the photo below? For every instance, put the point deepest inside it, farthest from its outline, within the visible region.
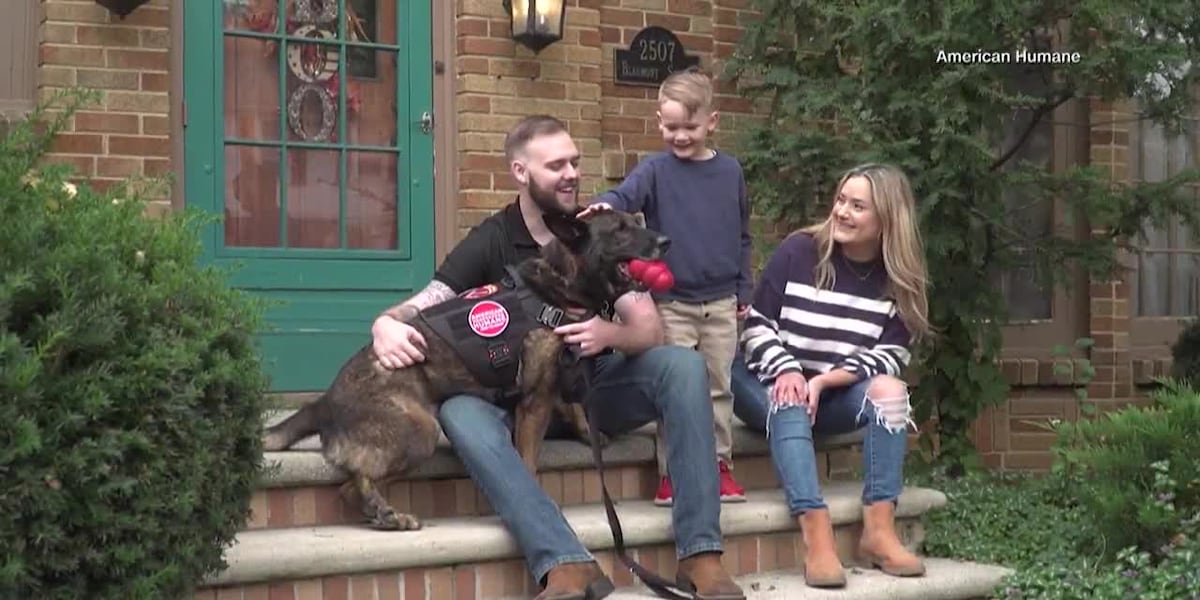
(643, 380)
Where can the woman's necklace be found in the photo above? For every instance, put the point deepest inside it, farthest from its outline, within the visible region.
(860, 276)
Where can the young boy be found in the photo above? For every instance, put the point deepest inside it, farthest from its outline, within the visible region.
(696, 196)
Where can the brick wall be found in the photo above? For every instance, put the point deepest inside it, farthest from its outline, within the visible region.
(126, 133)
(707, 30)
(1110, 324)
(500, 81)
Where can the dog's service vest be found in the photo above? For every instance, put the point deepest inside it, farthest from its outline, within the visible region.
(487, 325)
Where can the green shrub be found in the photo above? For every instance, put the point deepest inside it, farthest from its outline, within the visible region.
(1185, 354)
(1037, 526)
(131, 387)
(1135, 470)
(1174, 574)
(1011, 519)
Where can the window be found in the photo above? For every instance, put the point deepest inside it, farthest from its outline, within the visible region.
(1040, 317)
(18, 59)
(319, 168)
(1165, 284)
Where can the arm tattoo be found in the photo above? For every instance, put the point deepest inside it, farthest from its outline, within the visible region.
(434, 293)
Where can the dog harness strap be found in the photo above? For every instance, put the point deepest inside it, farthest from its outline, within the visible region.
(547, 314)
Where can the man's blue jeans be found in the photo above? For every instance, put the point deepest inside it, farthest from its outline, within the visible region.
(790, 437)
(664, 383)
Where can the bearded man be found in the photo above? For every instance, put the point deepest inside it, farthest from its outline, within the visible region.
(640, 381)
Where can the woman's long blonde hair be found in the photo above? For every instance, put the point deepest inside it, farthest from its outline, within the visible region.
(903, 249)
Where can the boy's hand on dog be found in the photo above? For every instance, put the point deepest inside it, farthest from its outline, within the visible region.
(593, 209)
(592, 336)
(396, 344)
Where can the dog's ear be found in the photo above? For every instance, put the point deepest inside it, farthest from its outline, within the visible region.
(572, 232)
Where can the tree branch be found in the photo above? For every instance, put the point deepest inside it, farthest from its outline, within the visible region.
(1013, 233)
(1038, 113)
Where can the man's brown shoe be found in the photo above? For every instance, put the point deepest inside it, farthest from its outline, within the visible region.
(881, 547)
(822, 568)
(576, 581)
(705, 577)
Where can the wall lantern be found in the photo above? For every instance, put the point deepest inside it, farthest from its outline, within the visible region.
(536, 23)
(121, 8)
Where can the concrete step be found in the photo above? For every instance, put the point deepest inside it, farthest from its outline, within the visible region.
(299, 488)
(944, 580)
(478, 555)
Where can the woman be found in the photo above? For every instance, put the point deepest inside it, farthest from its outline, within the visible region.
(836, 310)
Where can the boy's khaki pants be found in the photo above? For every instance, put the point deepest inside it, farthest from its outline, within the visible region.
(711, 328)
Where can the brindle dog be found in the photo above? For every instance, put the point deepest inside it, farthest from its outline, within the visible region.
(377, 424)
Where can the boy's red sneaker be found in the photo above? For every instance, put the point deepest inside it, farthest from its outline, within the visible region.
(730, 490)
(664, 496)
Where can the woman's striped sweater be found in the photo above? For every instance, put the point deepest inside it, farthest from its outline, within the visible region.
(793, 326)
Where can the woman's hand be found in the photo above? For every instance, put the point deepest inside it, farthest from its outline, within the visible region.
(790, 389)
(816, 385)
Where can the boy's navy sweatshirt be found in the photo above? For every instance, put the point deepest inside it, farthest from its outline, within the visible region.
(702, 205)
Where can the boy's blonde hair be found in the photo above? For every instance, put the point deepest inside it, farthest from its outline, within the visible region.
(691, 88)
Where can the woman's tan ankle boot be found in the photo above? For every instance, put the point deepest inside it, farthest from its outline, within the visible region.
(881, 547)
(822, 568)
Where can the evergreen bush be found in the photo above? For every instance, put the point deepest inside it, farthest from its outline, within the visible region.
(1135, 470)
(131, 384)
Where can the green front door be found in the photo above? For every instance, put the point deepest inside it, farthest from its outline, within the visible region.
(308, 132)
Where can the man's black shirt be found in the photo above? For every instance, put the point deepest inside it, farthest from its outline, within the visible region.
(500, 240)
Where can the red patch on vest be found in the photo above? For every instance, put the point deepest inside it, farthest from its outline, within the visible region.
(482, 291)
(488, 319)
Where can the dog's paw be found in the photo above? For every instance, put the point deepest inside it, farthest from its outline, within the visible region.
(391, 520)
(273, 442)
(408, 522)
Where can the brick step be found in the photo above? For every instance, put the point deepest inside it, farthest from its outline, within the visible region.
(475, 557)
(300, 488)
(944, 580)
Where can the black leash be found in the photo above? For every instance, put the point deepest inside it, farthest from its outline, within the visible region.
(583, 367)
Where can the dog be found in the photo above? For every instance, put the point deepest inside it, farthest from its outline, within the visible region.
(377, 424)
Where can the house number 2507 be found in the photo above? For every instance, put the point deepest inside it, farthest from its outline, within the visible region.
(656, 50)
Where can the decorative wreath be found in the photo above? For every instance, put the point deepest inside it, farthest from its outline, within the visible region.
(314, 65)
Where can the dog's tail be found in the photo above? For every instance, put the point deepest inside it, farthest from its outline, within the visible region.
(299, 425)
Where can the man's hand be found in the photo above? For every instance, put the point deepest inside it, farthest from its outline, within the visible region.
(593, 335)
(743, 310)
(397, 345)
(593, 209)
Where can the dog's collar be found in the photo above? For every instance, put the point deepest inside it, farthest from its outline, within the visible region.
(543, 312)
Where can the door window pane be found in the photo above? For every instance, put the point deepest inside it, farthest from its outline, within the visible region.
(371, 200)
(251, 196)
(251, 90)
(313, 188)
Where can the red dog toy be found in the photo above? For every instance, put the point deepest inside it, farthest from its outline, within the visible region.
(653, 273)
